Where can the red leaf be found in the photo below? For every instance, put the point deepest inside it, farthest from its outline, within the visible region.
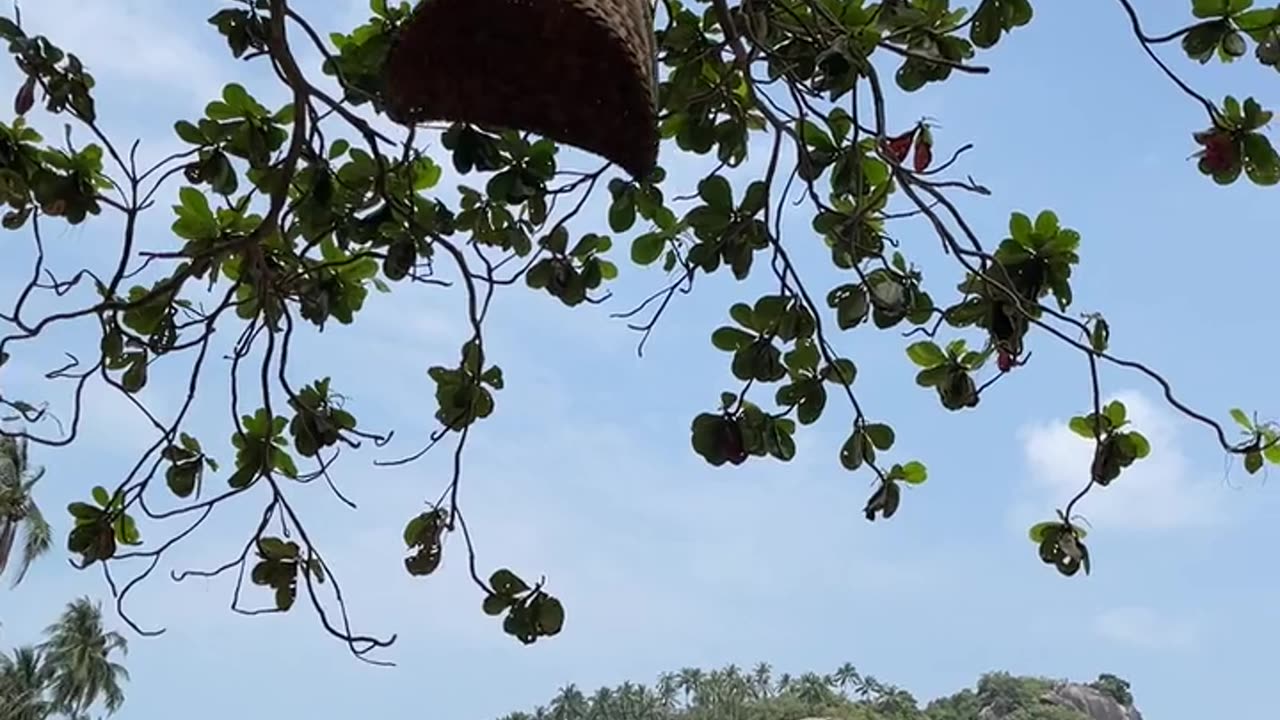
(898, 147)
(924, 155)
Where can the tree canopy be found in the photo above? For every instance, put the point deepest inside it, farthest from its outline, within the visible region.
(758, 693)
(289, 220)
(72, 671)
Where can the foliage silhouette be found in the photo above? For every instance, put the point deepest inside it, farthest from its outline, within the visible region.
(287, 219)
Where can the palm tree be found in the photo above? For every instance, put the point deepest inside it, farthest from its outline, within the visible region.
(690, 679)
(813, 689)
(570, 704)
(78, 653)
(19, 514)
(668, 685)
(762, 679)
(23, 679)
(846, 675)
(601, 704)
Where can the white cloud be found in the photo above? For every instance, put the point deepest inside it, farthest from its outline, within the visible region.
(1161, 492)
(135, 40)
(1146, 629)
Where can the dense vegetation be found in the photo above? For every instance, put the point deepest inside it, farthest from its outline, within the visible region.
(72, 671)
(288, 216)
(735, 694)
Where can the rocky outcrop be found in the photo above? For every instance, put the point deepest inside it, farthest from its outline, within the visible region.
(1089, 701)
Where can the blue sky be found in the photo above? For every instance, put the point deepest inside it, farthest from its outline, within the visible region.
(585, 473)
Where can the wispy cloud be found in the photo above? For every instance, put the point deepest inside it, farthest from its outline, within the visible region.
(1143, 628)
(1160, 493)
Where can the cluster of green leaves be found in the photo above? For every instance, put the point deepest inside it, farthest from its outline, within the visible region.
(360, 54)
(277, 568)
(101, 527)
(1235, 144)
(727, 233)
(1262, 441)
(531, 612)
(60, 183)
(261, 449)
(424, 536)
(1061, 544)
(1226, 28)
(319, 421)
(187, 463)
(65, 81)
(570, 274)
(948, 371)
(1115, 448)
(463, 393)
(741, 428)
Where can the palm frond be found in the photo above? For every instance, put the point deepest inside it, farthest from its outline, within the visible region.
(8, 530)
(37, 540)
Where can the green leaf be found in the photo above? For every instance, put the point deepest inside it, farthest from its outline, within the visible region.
(1047, 224)
(135, 377)
(243, 476)
(994, 17)
(842, 372)
(815, 137)
(101, 496)
(647, 248)
(550, 616)
(933, 377)
(9, 30)
(1041, 531)
(1241, 419)
(743, 315)
(716, 193)
(1201, 41)
(189, 133)
(1115, 412)
(731, 339)
(1210, 8)
(1141, 446)
(1020, 228)
(1261, 163)
(1253, 462)
(914, 473)
(496, 604)
(505, 582)
(755, 198)
(622, 213)
(181, 478)
(84, 511)
(880, 435)
(853, 452)
(1082, 426)
(926, 354)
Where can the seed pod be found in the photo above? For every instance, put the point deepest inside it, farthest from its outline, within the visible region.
(26, 96)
